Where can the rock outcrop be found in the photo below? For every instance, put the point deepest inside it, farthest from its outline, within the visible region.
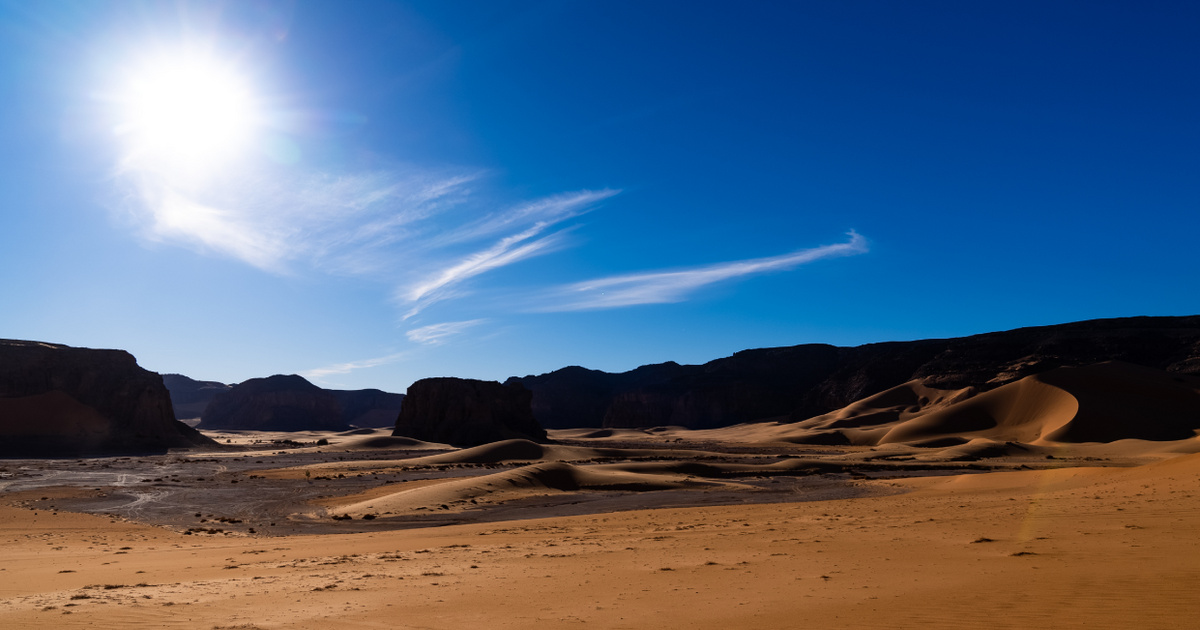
(799, 382)
(467, 412)
(190, 397)
(57, 400)
(275, 403)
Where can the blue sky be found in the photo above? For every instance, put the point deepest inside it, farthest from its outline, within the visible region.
(395, 190)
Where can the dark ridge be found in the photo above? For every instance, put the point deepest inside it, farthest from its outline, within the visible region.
(276, 403)
(798, 382)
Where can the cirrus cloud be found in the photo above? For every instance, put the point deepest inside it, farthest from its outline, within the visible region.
(660, 287)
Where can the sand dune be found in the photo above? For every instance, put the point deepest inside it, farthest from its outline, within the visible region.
(1074, 547)
(1110, 410)
(1099, 403)
(898, 404)
(1046, 542)
(518, 450)
(391, 442)
(596, 434)
(508, 451)
(521, 483)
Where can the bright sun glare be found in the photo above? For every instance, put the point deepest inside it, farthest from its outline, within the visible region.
(190, 112)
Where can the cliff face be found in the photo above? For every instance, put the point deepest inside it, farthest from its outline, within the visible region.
(467, 412)
(799, 382)
(275, 403)
(58, 400)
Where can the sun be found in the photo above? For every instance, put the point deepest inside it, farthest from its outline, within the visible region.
(187, 111)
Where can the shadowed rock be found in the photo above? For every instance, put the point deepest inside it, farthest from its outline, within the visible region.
(57, 400)
(467, 412)
(190, 397)
(368, 407)
(360, 407)
(275, 403)
(799, 382)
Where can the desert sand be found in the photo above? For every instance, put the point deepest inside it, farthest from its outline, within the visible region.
(935, 515)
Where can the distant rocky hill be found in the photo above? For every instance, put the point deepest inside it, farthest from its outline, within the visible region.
(467, 412)
(57, 400)
(275, 403)
(368, 408)
(798, 382)
(282, 402)
(189, 397)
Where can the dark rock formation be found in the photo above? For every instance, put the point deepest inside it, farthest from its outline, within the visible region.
(189, 397)
(61, 401)
(360, 408)
(467, 412)
(275, 403)
(799, 382)
(368, 407)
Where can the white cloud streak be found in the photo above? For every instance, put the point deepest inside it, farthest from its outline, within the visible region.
(279, 221)
(663, 287)
(506, 251)
(436, 334)
(320, 373)
(549, 210)
(176, 217)
(420, 229)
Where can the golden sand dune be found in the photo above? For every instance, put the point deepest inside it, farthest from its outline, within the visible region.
(596, 434)
(556, 476)
(1099, 403)
(390, 442)
(509, 451)
(889, 407)
(502, 452)
(518, 450)
(981, 448)
(1105, 548)
(1068, 533)
(521, 483)
(357, 440)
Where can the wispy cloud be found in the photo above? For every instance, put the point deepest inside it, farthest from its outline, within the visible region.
(435, 334)
(510, 249)
(548, 211)
(423, 230)
(320, 373)
(283, 220)
(179, 218)
(661, 287)
(507, 251)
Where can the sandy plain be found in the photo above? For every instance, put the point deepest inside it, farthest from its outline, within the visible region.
(607, 529)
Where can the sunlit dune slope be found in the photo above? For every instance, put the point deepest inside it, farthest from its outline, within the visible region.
(525, 482)
(1098, 403)
(518, 450)
(390, 442)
